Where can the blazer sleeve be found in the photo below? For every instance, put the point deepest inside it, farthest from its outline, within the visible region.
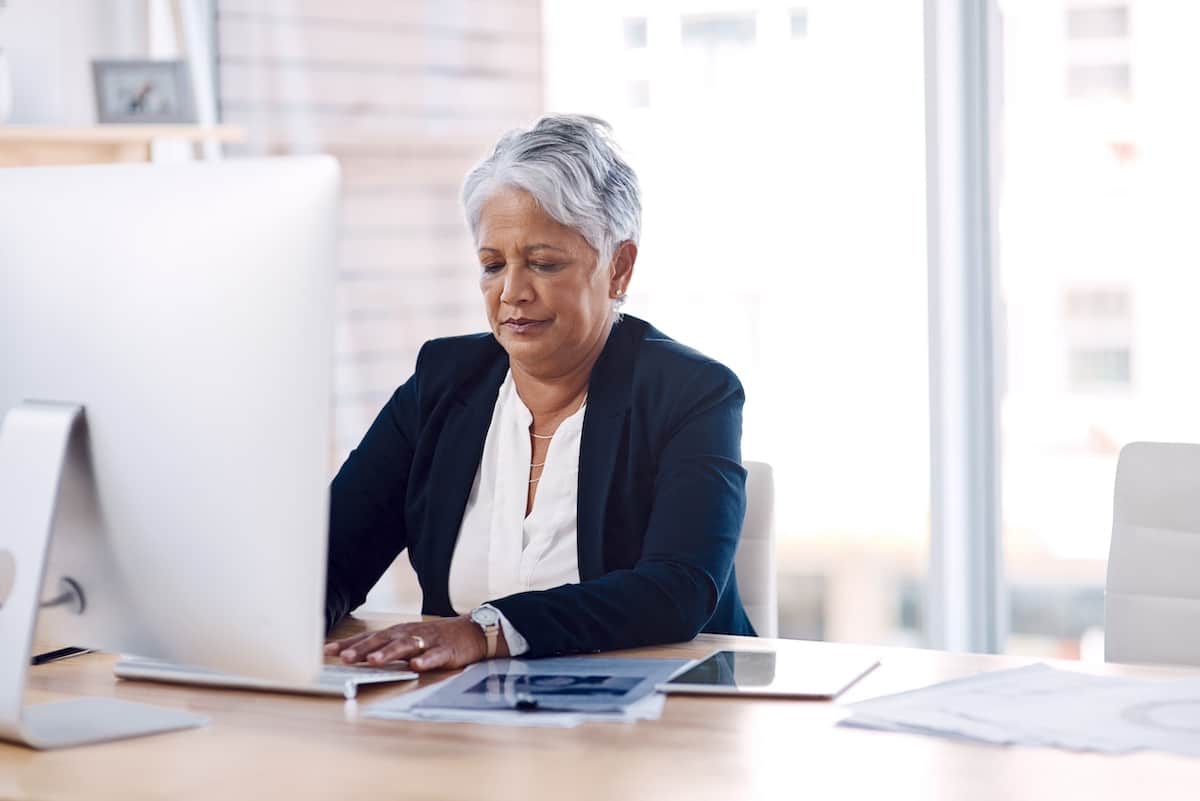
(366, 510)
(695, 521)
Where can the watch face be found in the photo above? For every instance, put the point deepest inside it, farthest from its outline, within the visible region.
(485, 616)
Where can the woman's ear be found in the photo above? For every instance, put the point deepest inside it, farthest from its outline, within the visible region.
(622, 269)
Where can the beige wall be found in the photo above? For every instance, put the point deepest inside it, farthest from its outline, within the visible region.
(50, 45)
(408, 95)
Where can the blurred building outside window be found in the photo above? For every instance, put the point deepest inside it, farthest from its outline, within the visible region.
(781, 159)
(1096, 259)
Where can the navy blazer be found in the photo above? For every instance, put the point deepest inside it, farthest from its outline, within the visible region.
(661, 499)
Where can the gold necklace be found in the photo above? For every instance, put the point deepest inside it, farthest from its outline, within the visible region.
(551, 436)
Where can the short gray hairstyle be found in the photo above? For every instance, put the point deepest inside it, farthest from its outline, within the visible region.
(571, 166)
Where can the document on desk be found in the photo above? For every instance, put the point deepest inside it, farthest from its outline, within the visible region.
(559, 692)
(1042, 706)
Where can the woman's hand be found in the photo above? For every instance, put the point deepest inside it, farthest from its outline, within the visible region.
(430, 645)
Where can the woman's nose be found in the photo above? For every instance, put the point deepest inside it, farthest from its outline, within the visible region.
(516, 286)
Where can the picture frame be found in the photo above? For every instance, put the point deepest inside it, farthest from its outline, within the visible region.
(143, 92)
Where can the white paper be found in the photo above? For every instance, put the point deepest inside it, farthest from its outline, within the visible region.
(1041, 706)
(1159, 716)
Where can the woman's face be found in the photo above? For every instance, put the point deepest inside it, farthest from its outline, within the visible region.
(548, 301)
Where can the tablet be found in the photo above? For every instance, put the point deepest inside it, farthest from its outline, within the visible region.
(802, 673)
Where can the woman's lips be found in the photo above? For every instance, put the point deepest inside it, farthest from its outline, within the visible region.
(523, 326)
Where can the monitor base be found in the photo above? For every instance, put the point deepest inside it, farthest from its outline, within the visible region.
(82, 721)
(36, 441)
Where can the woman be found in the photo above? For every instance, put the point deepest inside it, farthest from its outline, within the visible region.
(570, 482)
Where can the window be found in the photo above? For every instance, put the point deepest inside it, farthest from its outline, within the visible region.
(754, 253)
(1099, 81)
(720, 61)
(799, 23)
(1096, 269)
(1098, 52)
(1098, 22)
(635, 33)
(713, 30)
(1097, 329)
(1097, 305)
(1099, 368)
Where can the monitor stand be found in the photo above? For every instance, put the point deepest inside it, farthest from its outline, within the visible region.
(40, 443)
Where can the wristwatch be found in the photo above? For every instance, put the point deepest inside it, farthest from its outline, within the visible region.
(488, 619)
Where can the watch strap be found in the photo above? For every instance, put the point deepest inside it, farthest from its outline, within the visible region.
(492, 633)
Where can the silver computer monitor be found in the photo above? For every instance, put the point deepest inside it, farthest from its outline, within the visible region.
(188, 310)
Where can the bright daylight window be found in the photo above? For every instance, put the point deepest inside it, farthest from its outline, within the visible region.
(1096, 250)
(781, 152)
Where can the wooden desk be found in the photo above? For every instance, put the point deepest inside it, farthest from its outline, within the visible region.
(266, 746)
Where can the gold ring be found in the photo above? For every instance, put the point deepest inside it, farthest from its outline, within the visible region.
(418, 641)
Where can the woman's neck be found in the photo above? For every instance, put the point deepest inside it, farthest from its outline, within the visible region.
(549, 396)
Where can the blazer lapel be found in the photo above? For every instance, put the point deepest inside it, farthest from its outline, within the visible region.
(608, 402)
(452, 474)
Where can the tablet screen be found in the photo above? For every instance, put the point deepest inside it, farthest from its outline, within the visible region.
(793, 670)
(732, 669)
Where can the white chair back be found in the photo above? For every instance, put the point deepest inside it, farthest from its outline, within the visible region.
(1152, 593)
(755, 560)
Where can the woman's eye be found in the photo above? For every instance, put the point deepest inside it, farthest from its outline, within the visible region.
(492, 268)
(543, 266)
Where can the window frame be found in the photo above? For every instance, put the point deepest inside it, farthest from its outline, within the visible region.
(965, 593)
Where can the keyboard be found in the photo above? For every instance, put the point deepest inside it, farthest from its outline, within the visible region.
(340, 681)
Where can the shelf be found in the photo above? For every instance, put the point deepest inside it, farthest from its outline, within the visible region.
(36, 145)
(118, 134)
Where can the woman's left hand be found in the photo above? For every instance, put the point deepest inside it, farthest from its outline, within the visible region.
(437, 644)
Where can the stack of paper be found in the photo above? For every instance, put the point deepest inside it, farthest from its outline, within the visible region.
(560, 693)
(1042, 706)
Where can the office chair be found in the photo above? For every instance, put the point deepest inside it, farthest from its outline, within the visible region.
(398, 590)
(1152, 592)
(755, 559)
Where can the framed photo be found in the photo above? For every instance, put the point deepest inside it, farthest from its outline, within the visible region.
(143, 92)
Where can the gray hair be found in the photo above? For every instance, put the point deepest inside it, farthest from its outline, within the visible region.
(571, 167)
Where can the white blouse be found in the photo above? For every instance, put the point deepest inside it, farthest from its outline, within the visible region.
(500, 551)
